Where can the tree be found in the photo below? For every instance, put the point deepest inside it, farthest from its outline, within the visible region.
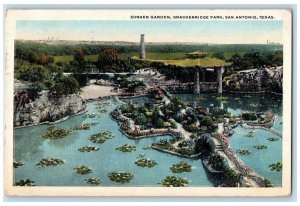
(79, 56)
(34, 89)
(141, 119)
(219, 55)
(33, 73)
(207, 122)
(65, 85)
(231, 178)
(204, 145)
(107, 58)
(278, 59)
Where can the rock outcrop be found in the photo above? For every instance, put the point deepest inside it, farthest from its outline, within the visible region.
(256, 80)
(47, 108)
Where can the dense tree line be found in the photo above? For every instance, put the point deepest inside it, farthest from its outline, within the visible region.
(89, 49)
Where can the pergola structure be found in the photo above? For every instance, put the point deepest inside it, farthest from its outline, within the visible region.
(202, 70)
(197, 54)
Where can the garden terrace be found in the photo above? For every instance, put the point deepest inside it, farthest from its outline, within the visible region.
(188, 62)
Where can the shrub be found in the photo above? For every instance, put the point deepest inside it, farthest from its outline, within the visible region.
(249, 116)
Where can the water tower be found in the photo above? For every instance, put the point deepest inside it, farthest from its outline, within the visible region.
(142, 45)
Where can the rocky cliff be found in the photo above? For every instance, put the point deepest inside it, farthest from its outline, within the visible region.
(255, 80)
(47, 108)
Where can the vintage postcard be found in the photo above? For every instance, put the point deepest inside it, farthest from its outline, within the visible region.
(148, 102)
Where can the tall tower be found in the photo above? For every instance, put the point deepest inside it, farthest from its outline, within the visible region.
(142, 45)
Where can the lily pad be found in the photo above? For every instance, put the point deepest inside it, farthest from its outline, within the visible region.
(181, 167)
(93, 115)
(126, 148)
(260, 147)
(146, 163)
(88, 149)
(102, 110)
(83, 170)
(122, 177)
(85, 126)
(50, 162)
(172, 181)
(243, 152)
(147, 148)
(101, 137)
(273, 139)
(93, 181)
(277, 166)
(26, 182)
(56, 133)
(140, 156)
(249, 134)
(18, 164)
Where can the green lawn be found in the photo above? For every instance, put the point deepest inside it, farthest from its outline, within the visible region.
(205, 62)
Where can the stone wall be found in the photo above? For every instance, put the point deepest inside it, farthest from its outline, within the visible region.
(255, 80)
(47, 108)
(189, 87)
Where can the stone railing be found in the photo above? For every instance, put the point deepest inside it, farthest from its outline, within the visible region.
(244, 170)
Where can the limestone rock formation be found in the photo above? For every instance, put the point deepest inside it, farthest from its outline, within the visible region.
(48, 108)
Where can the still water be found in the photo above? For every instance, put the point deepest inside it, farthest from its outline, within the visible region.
(31, 147)
(258, 160)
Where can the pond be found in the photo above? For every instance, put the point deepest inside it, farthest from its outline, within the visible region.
(258, 160)
(30, 147)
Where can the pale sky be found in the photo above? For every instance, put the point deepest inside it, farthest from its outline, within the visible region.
(218, 32)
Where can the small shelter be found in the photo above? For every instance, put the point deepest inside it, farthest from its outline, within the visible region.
(197, 54)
